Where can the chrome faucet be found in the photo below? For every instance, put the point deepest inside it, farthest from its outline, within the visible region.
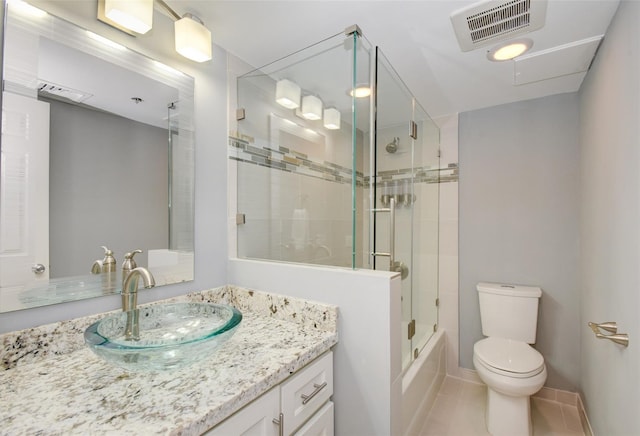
(130, 300)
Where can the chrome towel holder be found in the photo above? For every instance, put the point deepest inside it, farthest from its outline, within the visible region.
(612, 328)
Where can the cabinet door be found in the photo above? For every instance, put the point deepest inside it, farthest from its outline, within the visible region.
(255, 419)
(320, 424)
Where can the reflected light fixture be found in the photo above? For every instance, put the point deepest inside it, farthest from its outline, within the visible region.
(288, 94)
(311, 107)
(193, 39)
(134, 15)
(331, 118)
(360, 91)
(509, 50)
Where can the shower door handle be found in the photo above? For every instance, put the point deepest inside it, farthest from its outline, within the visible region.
(392, 233)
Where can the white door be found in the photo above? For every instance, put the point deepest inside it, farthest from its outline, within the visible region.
(24, 191)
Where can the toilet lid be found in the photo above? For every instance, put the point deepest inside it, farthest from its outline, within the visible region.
(509, 355)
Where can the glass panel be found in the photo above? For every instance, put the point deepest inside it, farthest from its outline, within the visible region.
(295, 164)
(394, 170)
(426, 164)
(363, 112)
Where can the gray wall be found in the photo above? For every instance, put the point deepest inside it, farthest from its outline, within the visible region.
(519, 175)
(108, 186)
(610, 226)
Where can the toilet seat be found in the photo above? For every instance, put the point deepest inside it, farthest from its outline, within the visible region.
(508, 357)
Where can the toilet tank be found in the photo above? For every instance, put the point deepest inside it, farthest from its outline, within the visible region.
(509, 311)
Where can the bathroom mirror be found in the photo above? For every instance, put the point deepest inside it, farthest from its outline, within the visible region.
(97, 150)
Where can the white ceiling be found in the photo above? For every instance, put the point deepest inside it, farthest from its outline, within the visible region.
(416, 36)
(109, 87)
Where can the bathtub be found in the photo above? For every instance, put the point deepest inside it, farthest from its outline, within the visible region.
(421, 382)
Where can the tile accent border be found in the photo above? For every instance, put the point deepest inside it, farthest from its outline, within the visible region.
(246, 151)
(285, 159)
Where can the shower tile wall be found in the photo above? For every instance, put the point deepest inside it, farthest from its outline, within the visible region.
(448, 265)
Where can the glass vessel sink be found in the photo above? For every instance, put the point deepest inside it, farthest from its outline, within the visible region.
(171, 335)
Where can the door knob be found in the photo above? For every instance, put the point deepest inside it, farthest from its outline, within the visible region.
(38, 268)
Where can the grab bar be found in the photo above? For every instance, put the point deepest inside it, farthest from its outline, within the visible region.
(611, 327)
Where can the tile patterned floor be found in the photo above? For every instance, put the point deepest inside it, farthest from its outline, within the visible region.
(460, 406)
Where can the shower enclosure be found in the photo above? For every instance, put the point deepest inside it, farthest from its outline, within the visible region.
(338, 165)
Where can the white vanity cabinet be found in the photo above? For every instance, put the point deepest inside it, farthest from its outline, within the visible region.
(298, 406)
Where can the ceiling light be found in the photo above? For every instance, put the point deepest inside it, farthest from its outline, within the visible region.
(509, 50)
(331, 118)
(193, 39)
(360, 91)
(288, 94)
(311, 107)
(135, 15)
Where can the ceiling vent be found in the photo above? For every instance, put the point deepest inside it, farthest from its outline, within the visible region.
(49, 89)
(489, 22)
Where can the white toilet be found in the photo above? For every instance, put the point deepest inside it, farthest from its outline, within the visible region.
(506, 363)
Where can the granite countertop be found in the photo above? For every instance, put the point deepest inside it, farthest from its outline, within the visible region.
(66, 389)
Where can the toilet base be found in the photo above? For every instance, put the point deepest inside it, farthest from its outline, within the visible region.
(507, 415)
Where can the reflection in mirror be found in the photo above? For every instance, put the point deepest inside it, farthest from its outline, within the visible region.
(97, 150)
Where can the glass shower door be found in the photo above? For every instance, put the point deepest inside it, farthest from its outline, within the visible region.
(405, 204)
(426, 163)
(392, 188)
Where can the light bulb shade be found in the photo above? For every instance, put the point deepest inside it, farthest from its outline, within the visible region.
(288, 94)
(135, 15)
(193, 39)
(311, 107)
(331, 118)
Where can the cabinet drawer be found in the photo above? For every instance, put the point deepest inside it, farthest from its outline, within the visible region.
(321, 424)
(304, 393)
(253, 419)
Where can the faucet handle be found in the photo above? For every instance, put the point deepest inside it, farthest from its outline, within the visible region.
(128, 263)
(130, 254)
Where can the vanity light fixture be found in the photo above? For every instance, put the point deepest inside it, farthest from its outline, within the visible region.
(509, 50)
(288, 94)
(311, 107)
(192, 38)
(331, 118)
(135, 15)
